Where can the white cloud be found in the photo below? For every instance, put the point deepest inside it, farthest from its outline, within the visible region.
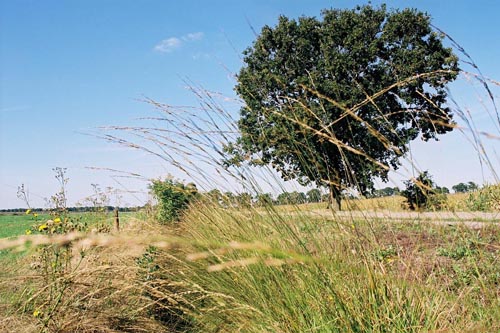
(170, 44)
(201, 56)
(193, 36)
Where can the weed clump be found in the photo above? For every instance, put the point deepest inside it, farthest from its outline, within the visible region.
(173, 198)
(485, 199)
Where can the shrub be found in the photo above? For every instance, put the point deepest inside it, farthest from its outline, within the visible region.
(423, 193)
(487, 198)
(173, 198)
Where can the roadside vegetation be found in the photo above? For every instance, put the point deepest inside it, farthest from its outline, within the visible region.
(220, 254)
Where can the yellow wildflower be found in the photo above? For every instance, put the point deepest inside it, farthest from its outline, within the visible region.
(37, 313)
(28, 211)
(28, 232)
(35, 214)
(57, 220)
(42, 227)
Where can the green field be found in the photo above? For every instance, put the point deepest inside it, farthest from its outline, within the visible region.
(15, 225)
(12, 225)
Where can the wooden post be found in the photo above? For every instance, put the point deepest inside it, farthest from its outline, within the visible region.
(117, 220)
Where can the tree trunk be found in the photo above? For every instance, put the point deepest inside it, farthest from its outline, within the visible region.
(335, 195)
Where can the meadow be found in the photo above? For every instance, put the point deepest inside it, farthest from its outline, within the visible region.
(265, 269)
(193, 264)
(15, 225)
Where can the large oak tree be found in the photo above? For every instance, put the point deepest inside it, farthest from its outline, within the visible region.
(335, 101)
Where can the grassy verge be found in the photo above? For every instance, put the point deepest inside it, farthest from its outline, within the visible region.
(265, 270)
(292, 273)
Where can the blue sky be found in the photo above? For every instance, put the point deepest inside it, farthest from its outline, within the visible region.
(68, 67)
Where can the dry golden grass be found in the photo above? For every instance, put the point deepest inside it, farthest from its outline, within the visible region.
(224, 270)
(392, 203)
(456, 202)
(100, 292)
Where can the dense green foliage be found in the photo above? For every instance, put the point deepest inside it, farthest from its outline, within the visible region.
(384, 192)
(173, 197)
(465, 187)
(291, 198)
(313, 195)
(422, 192)
(336, 101)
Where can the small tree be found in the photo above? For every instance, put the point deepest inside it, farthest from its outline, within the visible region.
(460, 188)
(422, 193)
(472, 186)
(385, 192)
(229, 199)
(173, 198)
(298, 198)
(215, 196)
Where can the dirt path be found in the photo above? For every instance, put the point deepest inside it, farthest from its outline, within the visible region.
(470, 219)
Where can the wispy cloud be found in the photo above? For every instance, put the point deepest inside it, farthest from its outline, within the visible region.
(201, 56)
(193, 36)
(168, 45)
(172, 43)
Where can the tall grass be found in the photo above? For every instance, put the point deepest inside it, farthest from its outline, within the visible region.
(274, 270)
(226, 268)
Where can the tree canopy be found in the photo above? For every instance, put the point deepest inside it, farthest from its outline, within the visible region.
(463, 187)
(335, 101)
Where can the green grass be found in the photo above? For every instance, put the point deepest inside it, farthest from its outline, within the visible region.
(15, 225)
(12, 225)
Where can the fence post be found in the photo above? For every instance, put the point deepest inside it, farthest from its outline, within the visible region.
(117, 220)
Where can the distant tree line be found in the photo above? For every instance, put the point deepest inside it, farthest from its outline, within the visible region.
(458, 188)
(384, 192)
(245, 199)
(82, 209)
(465, 187)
